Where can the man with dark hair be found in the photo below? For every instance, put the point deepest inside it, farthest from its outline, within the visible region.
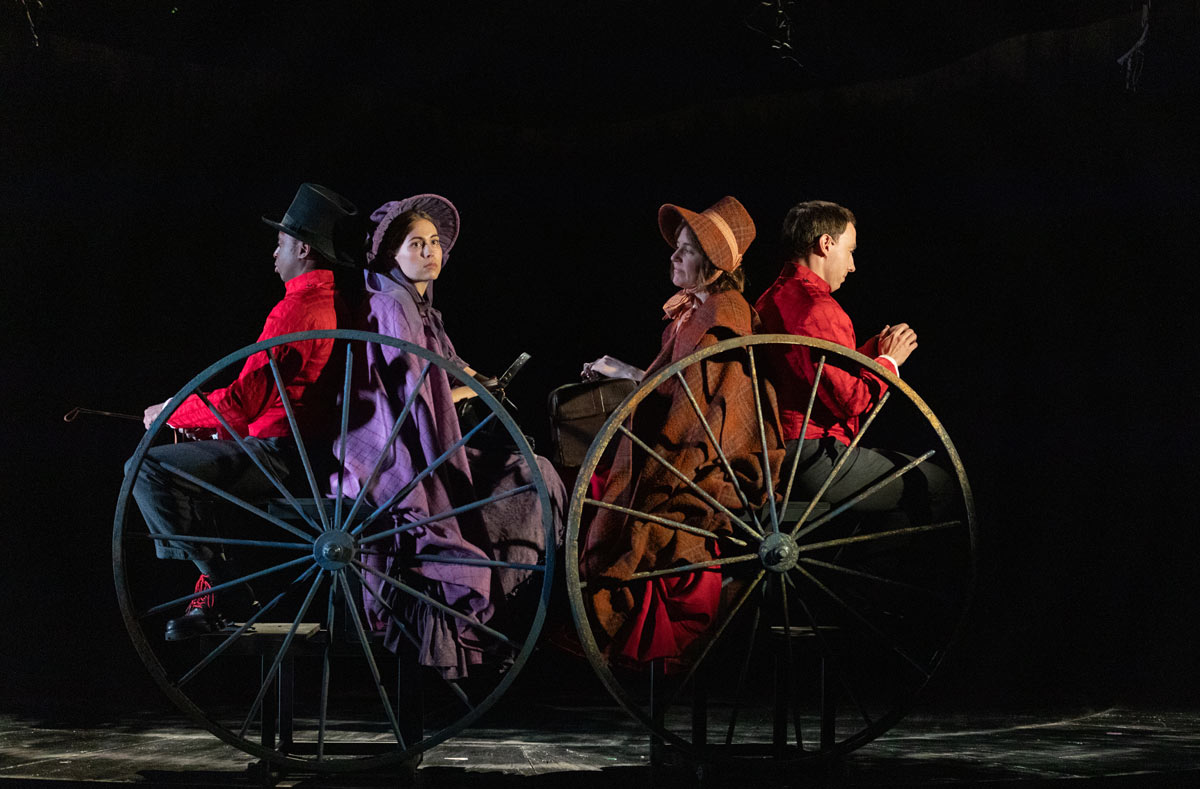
(819, 239)
(318, 234)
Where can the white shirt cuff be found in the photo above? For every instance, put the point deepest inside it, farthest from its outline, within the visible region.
(893, 361)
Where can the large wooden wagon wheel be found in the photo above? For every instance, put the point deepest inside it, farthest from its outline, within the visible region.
(344, 702)
(830, 621)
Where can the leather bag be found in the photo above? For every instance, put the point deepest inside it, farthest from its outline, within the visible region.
(578, 411)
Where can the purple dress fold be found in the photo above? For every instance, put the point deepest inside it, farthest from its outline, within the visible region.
(384, 380)
(513, 525)
(508, 530)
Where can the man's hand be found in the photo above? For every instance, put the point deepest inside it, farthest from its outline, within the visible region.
(871, 346)
(897, 342)
(151, 413)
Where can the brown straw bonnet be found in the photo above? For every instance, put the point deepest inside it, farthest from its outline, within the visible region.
(724, 230)
(445, 217)
(328, 222)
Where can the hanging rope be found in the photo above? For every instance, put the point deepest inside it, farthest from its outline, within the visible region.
(1135, 58)
(29, 17)
(772, 19)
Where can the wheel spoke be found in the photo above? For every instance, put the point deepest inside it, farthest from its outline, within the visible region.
(395, 618)
(366, 645)
(197, 540)
(223, 586)
(411, 485)
(870, 577)
(717, 446)
(691, 484)
(812, 397)
(667, 522)
(716, 636)
(341, 475)
(742, 672)
(677, 570)
(445, 559)
(877, 535)
(790, 667)
(232, 499)
(841, 461)
(283, 649)
(254, 458)
(831, 657)
(462, 696)
(387, 447)
(762, 435)
(235, 635)
(299, 439)
(474, 623)
(871, 628)
(323, 714)
(871, 491)
(375, 537)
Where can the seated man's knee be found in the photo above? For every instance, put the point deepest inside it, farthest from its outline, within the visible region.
(150, 471)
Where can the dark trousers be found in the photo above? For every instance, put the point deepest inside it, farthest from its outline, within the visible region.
(924, 494)
(172, 505)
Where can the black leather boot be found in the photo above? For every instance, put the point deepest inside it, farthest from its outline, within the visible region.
(203, 617)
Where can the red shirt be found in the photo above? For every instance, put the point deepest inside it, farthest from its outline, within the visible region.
(800, 302)
(251, 403)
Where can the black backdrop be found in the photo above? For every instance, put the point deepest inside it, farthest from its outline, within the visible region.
(1030, 216)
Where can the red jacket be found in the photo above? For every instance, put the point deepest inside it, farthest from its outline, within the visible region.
(800, 302)
(251, 403)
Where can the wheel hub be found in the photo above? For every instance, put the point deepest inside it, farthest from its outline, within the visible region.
(334, 549)
(778, 552)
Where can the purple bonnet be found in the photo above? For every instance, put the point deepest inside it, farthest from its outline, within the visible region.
(445, 217)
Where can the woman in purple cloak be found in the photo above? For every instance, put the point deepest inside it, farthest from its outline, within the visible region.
(409, 245)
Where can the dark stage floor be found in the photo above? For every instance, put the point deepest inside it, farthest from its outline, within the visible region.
(600, 746)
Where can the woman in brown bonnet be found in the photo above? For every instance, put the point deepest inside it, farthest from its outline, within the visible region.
(663, 616)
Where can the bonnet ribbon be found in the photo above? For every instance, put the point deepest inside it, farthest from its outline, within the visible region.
(727, 233)
(686, 300)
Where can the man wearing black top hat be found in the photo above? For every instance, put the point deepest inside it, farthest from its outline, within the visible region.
(319, 233)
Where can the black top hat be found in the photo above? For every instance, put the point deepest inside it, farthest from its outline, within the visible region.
(324, 219)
